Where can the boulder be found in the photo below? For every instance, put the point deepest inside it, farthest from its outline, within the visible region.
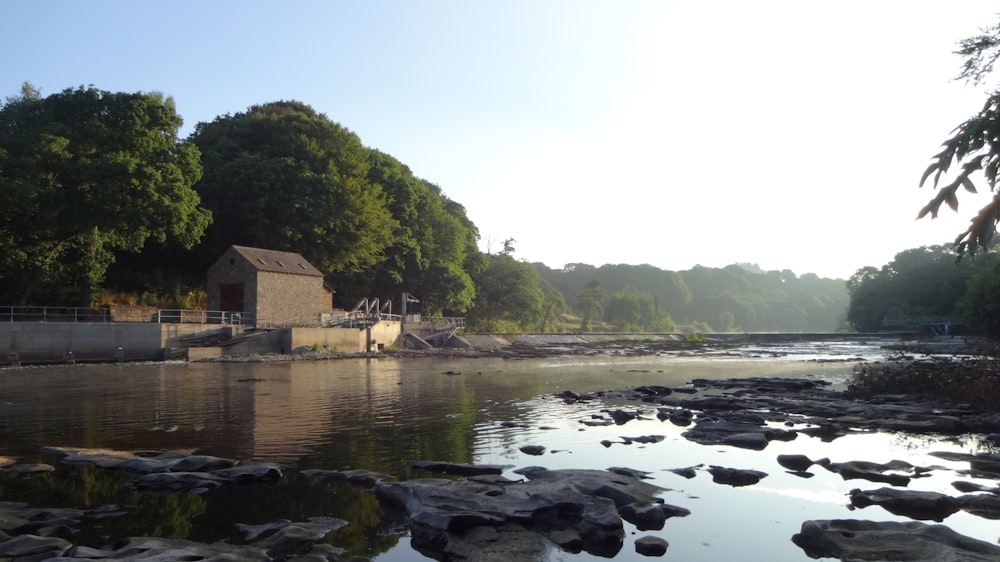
(795, 463)
(651, 546)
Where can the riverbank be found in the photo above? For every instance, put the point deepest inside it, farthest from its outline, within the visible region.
(559, 345)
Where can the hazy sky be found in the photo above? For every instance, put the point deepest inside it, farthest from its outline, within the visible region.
(791, 134)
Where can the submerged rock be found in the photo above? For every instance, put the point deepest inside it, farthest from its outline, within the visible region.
(458, 469)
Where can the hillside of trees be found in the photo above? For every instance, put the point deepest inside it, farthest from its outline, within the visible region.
(104, 202)
(736, 298)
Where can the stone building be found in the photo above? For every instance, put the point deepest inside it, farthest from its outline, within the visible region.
(268, 286)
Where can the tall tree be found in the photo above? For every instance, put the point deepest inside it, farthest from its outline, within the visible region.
(508, 296)
(87, 174)
(283, 176)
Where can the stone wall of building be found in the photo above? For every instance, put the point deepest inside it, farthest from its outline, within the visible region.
(283, 298)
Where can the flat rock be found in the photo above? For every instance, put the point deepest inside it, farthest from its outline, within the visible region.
(849, 539)
(581, 510)
(458, 469)
(908, 503)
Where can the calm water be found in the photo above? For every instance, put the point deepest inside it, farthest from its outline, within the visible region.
(379, 414)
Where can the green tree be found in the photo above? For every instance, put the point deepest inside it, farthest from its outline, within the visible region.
(590, 303)
(920, 282)
(430, 242)
(283, 176)
(508, 296)
(974, 148)
(86, 175)
(980, 305)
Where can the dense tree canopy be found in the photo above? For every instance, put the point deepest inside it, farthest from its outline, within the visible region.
(86, 175)
(922, 282)
(285, 177)
(430, 242)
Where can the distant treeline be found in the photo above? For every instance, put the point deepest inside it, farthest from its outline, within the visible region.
(739, 297)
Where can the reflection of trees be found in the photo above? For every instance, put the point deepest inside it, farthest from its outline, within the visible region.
(87, 488)
(297, 499)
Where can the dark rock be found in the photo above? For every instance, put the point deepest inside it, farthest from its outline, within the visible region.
(176, 482)
(737, 434)
(33, 546)
(735, 476)
(300, 535)
(651, 546)
(644, 439)
(621, 417)
(754, 441)
(358, 477)
(912, 541)
(35, 468)
(654, 390)
(795, 463)
(687, 471)
(149, 548)
(966, 487)
(449, 518)
(651, 517)
(251, 532)
(873, 472)
(535, 450)
(198, 463)
(458, 469)
(908, 503)
(980, 505)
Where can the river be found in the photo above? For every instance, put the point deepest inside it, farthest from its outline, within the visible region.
(379, 414)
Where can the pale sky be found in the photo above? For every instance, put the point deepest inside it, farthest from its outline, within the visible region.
(791, 134)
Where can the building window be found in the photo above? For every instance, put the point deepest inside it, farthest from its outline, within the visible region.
(279, 263)
(261, 260)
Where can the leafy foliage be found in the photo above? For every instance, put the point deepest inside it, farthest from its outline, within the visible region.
(980, 305)
(285, 177)
(508, 297)
(975, 147)
(920, 282)
(734, 298)
(86, 175)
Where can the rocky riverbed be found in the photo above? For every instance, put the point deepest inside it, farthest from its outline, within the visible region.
(455, 511)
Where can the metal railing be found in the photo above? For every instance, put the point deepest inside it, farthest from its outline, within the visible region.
(78, 315)
(177, 316)
(54, 314)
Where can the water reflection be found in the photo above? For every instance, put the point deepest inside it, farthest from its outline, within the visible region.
(380, 414)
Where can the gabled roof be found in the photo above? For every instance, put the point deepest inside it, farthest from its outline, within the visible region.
(280, 262)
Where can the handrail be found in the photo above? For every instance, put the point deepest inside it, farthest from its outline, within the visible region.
(54, 314)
